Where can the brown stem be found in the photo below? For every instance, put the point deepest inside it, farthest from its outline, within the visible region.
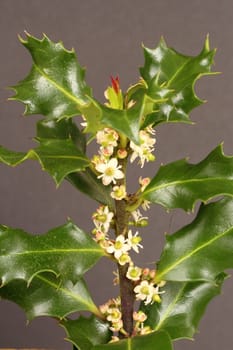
(126, 286)
(127, 299)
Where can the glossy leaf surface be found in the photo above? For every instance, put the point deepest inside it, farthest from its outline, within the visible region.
(181, 184)
(172, 76)
(88, 183)
(85, 181)
(63, 129)
(55, 86)
(66, 251)
(58, 157)
(48, 296)
(182, 306)
(202, 249)
(84, 333)
(153, 341)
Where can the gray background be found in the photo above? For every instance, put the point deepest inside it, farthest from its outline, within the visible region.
(107, 36)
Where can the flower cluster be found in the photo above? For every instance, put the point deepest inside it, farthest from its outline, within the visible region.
(146, 147)
(111, 310)
(108, 166)
(121, 246)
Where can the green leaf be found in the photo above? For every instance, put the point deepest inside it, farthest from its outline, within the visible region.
(84, 333)
(66, 251)
(48, 296)
(58, 157)
(180, 184)
(153, 341)
(85, 181)
(88, 183)
(126, 121)
(55, 86)
(172, 76)
(202, 249)
(61, 129)
(182, 306)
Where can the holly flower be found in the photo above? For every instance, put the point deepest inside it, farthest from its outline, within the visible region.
(134, 273)
(145, 291)
(134, 241)
(119, 247)
(119, 192)
(124, 259)
(102, 218)
(114, 315)
(138, 218)
(110, 171)
(145, 149)
(107, 137)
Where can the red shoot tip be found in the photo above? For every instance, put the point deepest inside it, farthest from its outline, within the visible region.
(115, 84)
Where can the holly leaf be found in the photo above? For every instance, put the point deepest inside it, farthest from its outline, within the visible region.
(84, 332)
(85, 181)
(172, 76)
(126, 121)
(153, 341)
(182, 306)
(62, 130)
(58, 157)
(48, 296)
(55, 86)
(181, 184)
(66, 251)
(202, 249)
(88, 183)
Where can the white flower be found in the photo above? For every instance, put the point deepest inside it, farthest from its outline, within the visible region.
(116, 326)
(107, 137)
(102, 218)
(145, 205)
(134, 273)
(119, 192)
(145, 149)
(138, 218)
(134, 241)
(110, 171)
(145, 291)
(114, 314)
(124, 259)
(119, 247)
(139, 316)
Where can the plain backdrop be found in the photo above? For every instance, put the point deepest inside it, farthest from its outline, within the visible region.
(107, 36)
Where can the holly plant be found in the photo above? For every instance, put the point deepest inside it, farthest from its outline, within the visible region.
(45, 274)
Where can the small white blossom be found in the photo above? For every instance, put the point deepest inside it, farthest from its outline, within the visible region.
(134, 273)
(102, 218)
(114, 314)
(137, 216)
(107, 137)
(116, 326)
(146, 205)
(145, 291)
(139, 316)
(145, 149)
(124, 259)
(119, 247)
(134, 241)
(119, 192)
(110, 171)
